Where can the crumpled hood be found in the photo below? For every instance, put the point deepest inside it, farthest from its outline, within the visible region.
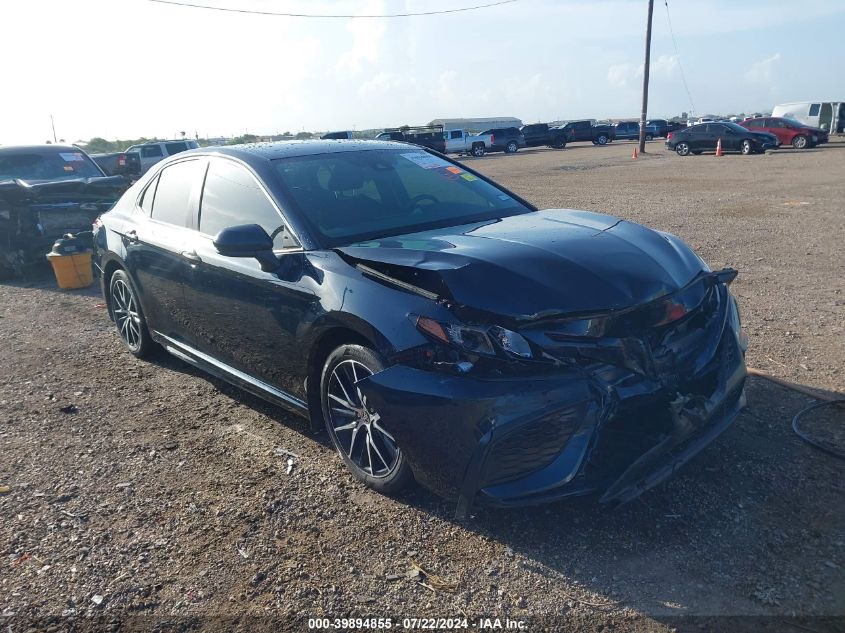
(535, 265)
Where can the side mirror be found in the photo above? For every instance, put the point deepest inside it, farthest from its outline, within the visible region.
(247, 240)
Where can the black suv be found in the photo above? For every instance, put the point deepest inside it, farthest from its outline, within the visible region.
(505, 139)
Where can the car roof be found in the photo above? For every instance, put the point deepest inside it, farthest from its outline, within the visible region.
(286, 149)
(15, 149)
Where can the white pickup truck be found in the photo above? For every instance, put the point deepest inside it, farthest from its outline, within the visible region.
(461, 142)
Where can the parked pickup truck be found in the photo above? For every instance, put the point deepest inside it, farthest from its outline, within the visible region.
(119, 163)
(462, 142)
(154, 151)
(47, 191)
(430, 136)
(576, 131)
(542, 134)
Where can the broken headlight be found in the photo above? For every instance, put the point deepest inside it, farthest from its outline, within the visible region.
(482, 340)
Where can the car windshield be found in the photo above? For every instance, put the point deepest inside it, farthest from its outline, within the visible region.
(347, 197)
(793, 122)
(735, 127)
(49, 165)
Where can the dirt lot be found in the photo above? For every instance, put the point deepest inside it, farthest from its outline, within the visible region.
(153, 494)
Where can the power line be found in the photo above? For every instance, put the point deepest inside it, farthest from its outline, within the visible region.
(678, 55)
(192, 5)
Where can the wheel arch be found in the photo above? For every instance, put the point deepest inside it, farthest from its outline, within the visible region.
(110, 267)
(329, 339)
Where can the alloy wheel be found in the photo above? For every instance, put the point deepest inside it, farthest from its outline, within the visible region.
(799, 142)
(682, 149)
(126, 315)
(357, 428)
(747, 148)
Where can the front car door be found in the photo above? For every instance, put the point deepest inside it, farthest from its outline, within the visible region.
(455, 141)
(154, 251)
(241, 316)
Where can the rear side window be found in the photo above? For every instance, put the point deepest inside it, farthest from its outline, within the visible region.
(151, 151)
(173, 197)
(232, 196)
(175, 148)
(814, 109)
(148, 196)
(755, 123)
(455, 134)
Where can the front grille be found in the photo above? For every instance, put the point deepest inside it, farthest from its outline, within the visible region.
(531, 446)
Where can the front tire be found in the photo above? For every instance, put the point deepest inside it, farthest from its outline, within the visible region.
(602, 139)
(128, 316)
(682, 149)
(559, 143)
(747, 147)
(369, 451)
(511, 148)
(800, 142)
(649, 137)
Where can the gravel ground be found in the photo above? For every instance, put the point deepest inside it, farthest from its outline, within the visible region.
(149, 493)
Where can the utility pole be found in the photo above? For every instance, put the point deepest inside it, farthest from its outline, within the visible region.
(53, 125)
(644, 112)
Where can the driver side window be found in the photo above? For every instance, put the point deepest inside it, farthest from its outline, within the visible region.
(231, 196)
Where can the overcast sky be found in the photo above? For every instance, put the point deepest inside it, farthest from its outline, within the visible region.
(129, 68)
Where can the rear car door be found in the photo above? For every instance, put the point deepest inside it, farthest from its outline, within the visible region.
(240, 315)
(779, 129)
(156, 246)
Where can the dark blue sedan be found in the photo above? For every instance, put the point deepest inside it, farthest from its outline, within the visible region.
(437, 325)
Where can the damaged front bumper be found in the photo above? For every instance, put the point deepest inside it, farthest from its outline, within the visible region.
(533, 439)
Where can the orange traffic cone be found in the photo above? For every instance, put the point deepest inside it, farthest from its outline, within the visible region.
(719, 148)
(634, 155)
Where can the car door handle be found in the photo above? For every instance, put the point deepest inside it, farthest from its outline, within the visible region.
(192, 257)
(132, 235)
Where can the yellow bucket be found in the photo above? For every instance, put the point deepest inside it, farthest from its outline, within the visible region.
(72, 271)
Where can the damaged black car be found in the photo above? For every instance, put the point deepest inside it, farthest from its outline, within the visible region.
(47, 191)
(437, 325)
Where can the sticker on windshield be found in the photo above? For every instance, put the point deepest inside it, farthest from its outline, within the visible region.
(426, 160)
(72, 157)
(468, 177)
(504, 197)
(454, 170)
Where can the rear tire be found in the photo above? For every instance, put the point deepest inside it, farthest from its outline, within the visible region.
(602, 139)
(747, 147)
(128, 316)
(478, 150)
(800, 142)
(511, 147)
(367, 449)
(559, 143)
(649, 137)
(682, 149)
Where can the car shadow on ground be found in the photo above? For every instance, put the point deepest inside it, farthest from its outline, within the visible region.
(757, 491)
(292, 421)
(751, 527)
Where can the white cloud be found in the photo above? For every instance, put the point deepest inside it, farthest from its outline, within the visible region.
(765, 70)
(622, 75)
(366, 37)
